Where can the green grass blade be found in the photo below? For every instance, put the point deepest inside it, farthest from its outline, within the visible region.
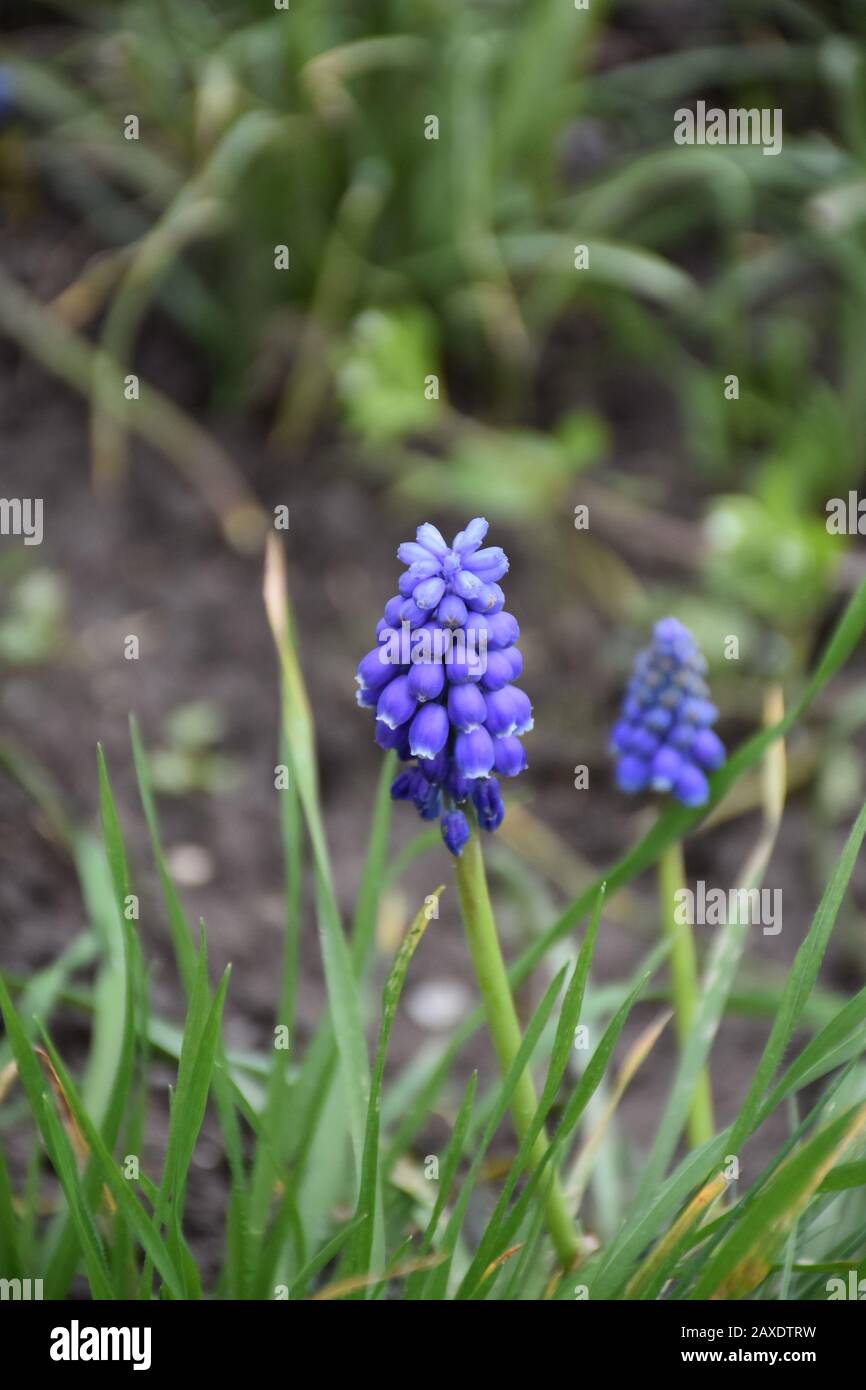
(107, 1170)
(716, 986)
(287, 1222)
(801, 978)
(373, 874)
(450, 1161)
(577, 1103)
(181, 937)
(843, 1036)
(191, 1100)
(792, 1182)
(299, 734)
(437, 1280)
(10, 1259)
(360, 1249)
(63, 1159)
(562, 1046)
(613, 1268)
(108, 1081)
(329, 1251)
(141, 1224)
(238, 1217)
(197, 1054)
(644, 1220)
(845, 1176)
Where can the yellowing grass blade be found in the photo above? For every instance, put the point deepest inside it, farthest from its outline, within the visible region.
(694, 1212)
(754, 1265)
(76, 1139)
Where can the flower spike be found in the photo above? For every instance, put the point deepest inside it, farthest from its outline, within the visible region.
(663, 740)
(441, 680)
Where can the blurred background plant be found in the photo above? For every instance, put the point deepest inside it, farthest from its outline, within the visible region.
(451, 260)
(189, 759)
(32, 614)
(503, 282)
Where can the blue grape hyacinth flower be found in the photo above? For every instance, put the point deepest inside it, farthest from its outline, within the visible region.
(441, 680)
(664, 740)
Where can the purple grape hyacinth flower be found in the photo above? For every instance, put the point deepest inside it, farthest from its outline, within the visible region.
(663, 740)
(441, 681)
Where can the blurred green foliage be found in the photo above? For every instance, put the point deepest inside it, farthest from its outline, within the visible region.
(384, 359)
(189, 760)
(32, 617)
(519, 474)
(776, 563)
(433, 167)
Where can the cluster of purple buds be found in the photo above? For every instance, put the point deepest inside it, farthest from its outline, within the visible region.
(664, 738)
(441, 681)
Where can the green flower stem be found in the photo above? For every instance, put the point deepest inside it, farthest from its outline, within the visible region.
(684, 982)
(504, 1029)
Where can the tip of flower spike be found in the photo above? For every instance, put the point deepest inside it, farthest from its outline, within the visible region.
(673, 640)
(465, 542)
(432, 539)
(669, 630)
